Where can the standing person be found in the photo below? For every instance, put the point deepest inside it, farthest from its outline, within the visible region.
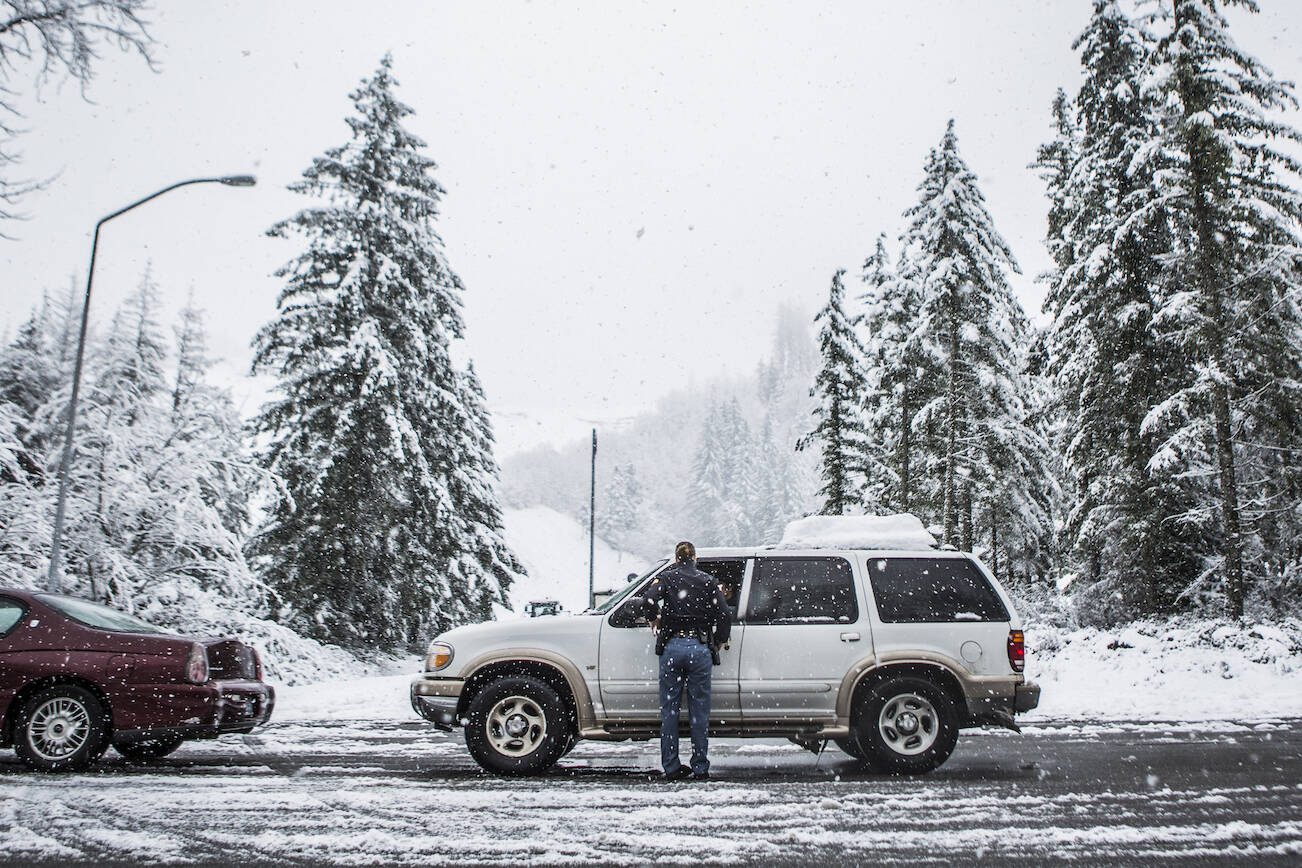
(693, 621)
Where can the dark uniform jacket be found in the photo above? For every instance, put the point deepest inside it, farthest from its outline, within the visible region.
(688, 602)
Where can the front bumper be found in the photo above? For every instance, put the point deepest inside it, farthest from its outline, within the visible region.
(436, 699)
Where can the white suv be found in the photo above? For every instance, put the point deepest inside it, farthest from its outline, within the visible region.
(888, 653)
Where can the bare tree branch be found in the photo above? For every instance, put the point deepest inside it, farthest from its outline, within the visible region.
(48, 40)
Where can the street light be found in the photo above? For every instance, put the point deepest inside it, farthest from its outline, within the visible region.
(56, 549)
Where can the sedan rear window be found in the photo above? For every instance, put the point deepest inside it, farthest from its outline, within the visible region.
(929, 590)
(97, 616)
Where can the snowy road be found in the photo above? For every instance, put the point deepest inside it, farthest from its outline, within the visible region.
(382, 788)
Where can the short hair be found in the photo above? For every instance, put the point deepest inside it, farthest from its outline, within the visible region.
(684, 552)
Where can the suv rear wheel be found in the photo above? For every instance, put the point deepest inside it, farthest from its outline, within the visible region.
(906, 725)
(518, 726)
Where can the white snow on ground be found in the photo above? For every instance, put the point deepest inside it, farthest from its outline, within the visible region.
(381, 697)
(1171, 671)
(554, 549)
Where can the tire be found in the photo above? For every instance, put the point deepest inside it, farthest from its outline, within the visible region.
(63, 728)
(150, 749)
(518, 726)
(906, 726)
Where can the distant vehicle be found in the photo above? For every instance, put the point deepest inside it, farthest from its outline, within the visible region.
(888, 652)
(541, 608)
(76, 677)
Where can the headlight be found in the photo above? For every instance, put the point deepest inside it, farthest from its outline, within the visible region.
(438, 656)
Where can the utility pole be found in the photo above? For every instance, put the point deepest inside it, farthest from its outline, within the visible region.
(592, 527)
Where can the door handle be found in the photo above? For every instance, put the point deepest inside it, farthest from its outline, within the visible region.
(849, 637)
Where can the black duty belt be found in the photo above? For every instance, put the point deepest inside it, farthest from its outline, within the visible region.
(698, 635)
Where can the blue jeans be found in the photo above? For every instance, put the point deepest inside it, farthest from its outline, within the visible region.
(685, 663)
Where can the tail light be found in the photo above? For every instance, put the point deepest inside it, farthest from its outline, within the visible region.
(1016, 650)
(257, 664)
(196, 668)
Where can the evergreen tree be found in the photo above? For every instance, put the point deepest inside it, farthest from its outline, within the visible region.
(988, 459)
(28, 378)
(1107, 363)
(1230, 303)
(485, 563)
(707, 494)
(191, 353)
(370, 547)
(901, 379)
(779, 496)
(623, 505)
(841, 389)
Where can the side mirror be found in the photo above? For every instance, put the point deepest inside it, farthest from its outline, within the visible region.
(631, 614)
(631, 577)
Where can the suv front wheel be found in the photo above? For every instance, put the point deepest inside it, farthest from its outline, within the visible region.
(518, 726)
(906, 725)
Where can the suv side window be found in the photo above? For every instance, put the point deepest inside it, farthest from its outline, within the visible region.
(11, 612)
(802, 591)
(931, 590)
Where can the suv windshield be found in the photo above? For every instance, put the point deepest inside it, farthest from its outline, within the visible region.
(628, 589)
(97, 616)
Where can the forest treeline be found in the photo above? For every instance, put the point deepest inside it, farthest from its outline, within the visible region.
(1145, 443)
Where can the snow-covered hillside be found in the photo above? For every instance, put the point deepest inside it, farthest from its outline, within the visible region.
(554, 549)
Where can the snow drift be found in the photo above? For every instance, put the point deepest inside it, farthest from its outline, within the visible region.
(900, 531)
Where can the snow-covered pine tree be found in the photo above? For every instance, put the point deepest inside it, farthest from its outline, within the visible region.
(623, 504)
(711, 483)
(901, 379)
(484, 561)
(365, 431)
(28, 376)
(1055, 161)
(779, 496)
(989, 459)
(191, 353)
(840, 388)
(1230, 302)
(742, 474)
(1108, 231)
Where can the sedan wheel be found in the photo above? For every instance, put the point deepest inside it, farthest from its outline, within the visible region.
(62, 728)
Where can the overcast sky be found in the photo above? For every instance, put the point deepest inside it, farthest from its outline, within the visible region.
(633, 188)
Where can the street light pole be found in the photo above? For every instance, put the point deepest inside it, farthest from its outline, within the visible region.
(592, 527)
(60, 510)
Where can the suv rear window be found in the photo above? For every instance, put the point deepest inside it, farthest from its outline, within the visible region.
(925, 590)
(802, 591)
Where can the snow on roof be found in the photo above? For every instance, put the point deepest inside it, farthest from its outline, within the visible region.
(900, 531)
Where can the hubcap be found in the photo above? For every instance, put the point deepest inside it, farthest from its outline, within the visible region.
(58, 728)
(516, 726)
(909, 724)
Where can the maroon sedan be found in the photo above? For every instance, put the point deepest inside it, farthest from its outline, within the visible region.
(76, 677)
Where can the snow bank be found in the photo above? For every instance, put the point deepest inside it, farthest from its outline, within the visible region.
(1176, 670)
(900, 531)
(554, 549)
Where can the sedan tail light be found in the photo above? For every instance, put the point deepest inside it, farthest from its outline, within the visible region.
(1016, 650)
(196, 668)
